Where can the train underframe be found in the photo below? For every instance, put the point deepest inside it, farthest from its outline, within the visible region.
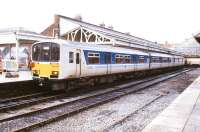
(69, 84)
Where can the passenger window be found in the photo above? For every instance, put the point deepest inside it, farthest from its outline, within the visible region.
(77, 58)
(141, 59)
(119, 59)
(155, 59)
(164, 60)
(93, 58)
(71, 57)
(127, 59)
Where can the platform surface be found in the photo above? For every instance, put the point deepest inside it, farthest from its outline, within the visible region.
(182, 115)
(23, 76)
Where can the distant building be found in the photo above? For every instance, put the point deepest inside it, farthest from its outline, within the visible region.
(190, 47)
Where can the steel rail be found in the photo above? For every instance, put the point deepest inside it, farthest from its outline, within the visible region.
(69, 108)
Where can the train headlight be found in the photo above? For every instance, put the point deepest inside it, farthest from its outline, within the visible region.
(54, 72)
(36, 72)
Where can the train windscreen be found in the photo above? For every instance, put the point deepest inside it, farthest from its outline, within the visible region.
(46, 52)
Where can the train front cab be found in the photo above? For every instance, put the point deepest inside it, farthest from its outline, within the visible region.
(45, 61)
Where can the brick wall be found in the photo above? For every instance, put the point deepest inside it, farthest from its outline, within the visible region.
(53, 29)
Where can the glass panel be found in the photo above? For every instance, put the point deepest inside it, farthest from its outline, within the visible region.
(93, 58)
(128, 59)
(71, 57)
(119, 59)
(36, 52)
(77, 58)
(55, 54)
(8, 51)
(46, 52)
(141, 59)
(24, 56)
(155, 59)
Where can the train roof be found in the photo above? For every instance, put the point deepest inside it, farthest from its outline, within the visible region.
(95, 47)
(106, 48)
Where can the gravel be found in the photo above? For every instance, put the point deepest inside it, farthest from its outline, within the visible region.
(123, 114)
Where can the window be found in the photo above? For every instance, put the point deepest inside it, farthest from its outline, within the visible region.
(46, 52)
(108, 58)
(77, 58)
(71, 57)
(127, 59)
(36, 53)
(155, 59)
(55, 54)
(164, 60)
(93, 58)
(141, 59)
(119, 59)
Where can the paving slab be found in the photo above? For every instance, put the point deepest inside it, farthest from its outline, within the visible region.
(182, 115)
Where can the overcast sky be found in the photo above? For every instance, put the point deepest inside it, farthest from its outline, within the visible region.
(155, 20)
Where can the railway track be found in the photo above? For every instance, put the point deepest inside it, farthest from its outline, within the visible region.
(31, 99)
(44, 116)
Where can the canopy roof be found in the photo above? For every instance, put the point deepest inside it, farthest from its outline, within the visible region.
(78, 30)
(10, 35)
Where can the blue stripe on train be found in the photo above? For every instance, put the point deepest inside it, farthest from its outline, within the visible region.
(134, 57)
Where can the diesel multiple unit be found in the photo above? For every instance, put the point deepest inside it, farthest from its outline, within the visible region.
(65, 63)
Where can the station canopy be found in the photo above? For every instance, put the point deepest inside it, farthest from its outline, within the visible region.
(10, 35)
(15, 47)
(77, 30)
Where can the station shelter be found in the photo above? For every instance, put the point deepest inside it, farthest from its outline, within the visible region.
(15, 48)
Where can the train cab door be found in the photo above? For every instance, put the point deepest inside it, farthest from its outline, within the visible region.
(78, 63)
(108, 63)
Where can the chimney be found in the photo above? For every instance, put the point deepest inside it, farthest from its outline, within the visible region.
(56, 28)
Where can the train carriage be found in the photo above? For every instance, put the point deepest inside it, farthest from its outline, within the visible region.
(61, 61)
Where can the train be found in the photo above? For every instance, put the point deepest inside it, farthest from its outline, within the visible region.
(64, 64)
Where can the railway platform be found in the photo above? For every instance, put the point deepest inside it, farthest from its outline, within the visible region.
(182, 115)
(21, 76)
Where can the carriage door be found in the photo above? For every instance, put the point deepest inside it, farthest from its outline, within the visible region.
(78, 63)
(108, 63)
